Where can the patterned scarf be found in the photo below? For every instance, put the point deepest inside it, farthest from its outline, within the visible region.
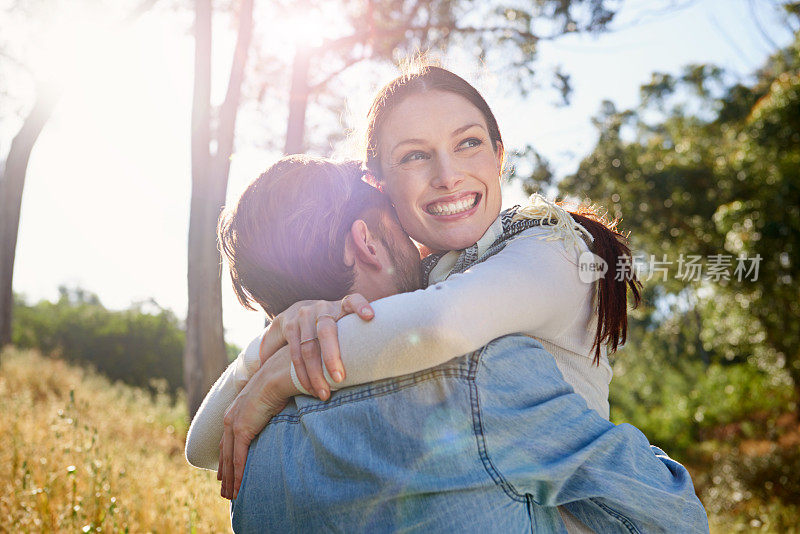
(469, 256)
(537, 212)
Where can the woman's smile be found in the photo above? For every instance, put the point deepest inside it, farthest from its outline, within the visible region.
(452, 207)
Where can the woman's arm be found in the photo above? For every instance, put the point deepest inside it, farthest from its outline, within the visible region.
(532, 286)
(263, 397)
(205, 432)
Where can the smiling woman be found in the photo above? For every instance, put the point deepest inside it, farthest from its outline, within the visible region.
(442, 169)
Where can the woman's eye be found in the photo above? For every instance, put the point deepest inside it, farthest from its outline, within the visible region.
(472, 142)
(413, 156)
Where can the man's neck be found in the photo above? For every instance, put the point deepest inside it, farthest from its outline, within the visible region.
(372, 289)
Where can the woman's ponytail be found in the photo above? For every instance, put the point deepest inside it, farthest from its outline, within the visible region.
(612, 291)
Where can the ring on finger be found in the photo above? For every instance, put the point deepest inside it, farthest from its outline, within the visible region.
(307, 340)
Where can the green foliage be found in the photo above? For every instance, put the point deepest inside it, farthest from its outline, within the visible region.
(711, 370)
(142, 345)
(694, 370)
(532, 167)
(704, 169)
(136, 345)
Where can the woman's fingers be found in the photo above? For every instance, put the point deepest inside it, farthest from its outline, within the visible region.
(263, 397)
(313, 365)
(302, 374)
(309, 328)
(356, 303)
(309, 350)
(291, 332)
(227, 462)
(328, 334)
(329, 345)
(219, 463)
(271, 341)
(239, 459)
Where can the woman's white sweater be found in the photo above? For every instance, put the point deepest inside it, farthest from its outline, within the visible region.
(531, 287)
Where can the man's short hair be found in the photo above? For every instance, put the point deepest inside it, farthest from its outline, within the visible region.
(284, 239)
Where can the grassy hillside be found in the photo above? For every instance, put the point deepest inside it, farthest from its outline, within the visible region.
(82, 454)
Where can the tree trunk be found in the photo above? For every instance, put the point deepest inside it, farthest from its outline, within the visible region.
(204, 340)
(298, 101)
(205, 357)
(12, 182)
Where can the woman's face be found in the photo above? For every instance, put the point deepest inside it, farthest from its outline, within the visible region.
(440, 170)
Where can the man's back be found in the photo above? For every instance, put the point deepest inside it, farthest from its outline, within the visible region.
(473, 445)
(392, 455)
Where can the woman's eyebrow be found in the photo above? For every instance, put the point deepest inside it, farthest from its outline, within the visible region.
(463, 129)
(408, 142)
(456, 132)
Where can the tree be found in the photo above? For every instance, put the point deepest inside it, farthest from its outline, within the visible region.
(205, 355)
(14, 169)
(502, 35)
(12, 182)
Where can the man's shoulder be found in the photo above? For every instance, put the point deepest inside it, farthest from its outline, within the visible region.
(509, 354)
(516, 372)
(465, 366)
(512, 342)
(511, 351)
(461, 368)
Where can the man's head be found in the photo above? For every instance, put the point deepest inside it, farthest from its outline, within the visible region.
(310, 228)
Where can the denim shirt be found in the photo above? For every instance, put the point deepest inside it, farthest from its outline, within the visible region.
(489, 442)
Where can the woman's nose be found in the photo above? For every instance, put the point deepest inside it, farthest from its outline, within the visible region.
(448, 176)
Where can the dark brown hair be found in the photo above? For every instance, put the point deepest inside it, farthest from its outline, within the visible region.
(284, 239)
(609, 244)
(612, 294)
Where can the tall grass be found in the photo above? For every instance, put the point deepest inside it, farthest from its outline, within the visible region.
(81, 454)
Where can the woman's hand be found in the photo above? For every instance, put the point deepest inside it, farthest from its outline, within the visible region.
(263, 397)
(309, 328)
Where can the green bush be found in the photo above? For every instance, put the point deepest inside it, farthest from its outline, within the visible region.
(753, 491)
(142, 345)
(677, 411)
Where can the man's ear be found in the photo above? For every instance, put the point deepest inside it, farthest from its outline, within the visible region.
(360, 247)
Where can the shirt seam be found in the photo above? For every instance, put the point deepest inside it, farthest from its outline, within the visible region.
(617, 515)
(494, 472)
(477, 426)
(369, 392)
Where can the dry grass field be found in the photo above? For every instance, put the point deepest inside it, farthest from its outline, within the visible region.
(81, 454)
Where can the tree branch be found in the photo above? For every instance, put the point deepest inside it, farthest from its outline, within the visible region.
(321, 85)
(227, 114)
(143, 8)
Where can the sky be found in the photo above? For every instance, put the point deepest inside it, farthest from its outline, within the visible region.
(106, 201)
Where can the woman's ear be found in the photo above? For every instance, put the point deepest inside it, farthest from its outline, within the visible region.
(500, 155)
(359, 248)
